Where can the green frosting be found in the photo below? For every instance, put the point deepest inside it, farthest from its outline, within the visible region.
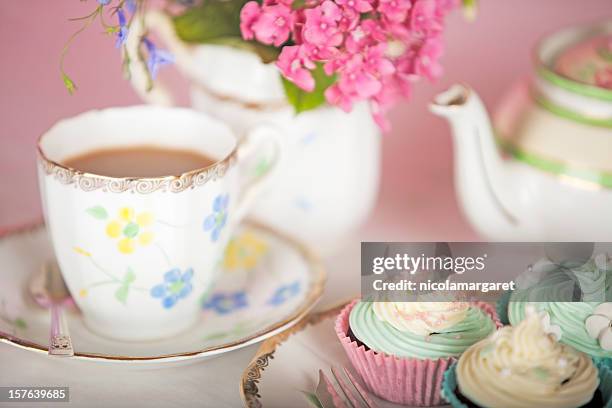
(380, 336)
(569, 316)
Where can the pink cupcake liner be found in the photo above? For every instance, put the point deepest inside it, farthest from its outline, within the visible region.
(406, 381)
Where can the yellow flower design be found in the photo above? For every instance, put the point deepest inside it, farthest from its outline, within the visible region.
(81, 251)
(129, 229)
(83, 293)
(244, 252)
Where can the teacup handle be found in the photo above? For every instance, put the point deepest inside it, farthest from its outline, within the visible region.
(256, 167)
(155, 93)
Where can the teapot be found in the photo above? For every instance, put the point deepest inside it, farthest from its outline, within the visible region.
(541, 170)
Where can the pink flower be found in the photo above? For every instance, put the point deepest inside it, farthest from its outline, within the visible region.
(316, 53)
(354, 83)
(248, 15)
(426, 62)
(423, 17)
(394, 10)
(336, 97)
(368, 32)
(358, 6)
(376, 63)
(273, 25)
(356, 80)
(375, 49)
(603, 78)
(349, 20)
(321, 25)
(294, 65)
(380, 116)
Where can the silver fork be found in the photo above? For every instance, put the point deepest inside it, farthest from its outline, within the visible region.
(343, 392)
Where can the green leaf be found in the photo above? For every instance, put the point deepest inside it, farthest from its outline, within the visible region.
(216, 336)
(20, 323)
(129, 276)
(97, 212)
(312, 399)
(302, 100)
(262, 167)
(122, 293)
(211, 20)
(218, 22)
(69, 84)
(605, 53)
(470, 9)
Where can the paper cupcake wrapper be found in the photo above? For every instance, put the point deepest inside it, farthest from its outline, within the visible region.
(603, 361)
(449, 386)
(406, 381)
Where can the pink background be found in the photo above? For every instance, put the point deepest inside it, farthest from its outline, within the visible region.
(417, 199)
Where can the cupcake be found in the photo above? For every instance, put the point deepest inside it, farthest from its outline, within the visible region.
(586, 325)
(525, 366)
(402, 349)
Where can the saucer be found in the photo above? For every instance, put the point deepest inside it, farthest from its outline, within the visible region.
(285, 369)
(267, 284)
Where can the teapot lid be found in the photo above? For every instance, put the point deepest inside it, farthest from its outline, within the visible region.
(579, 60)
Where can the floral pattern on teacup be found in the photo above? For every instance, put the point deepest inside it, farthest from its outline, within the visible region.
(124, 284)
(244, 252)
(215, 222)
(225, 303)
(128, 228)
(284, 292)
(176, 286)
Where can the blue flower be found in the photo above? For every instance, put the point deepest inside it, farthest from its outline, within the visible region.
(104, 2)
(217, 220)
(122, 34)
(176, 286)
(284, 293)
(131, 6)
(224, 303)
(157, 58)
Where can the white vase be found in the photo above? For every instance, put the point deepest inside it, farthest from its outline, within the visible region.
(328, 175)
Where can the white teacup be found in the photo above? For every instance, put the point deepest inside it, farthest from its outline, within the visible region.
(148, 280)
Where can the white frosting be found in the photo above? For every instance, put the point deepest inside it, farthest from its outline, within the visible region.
(421, 318)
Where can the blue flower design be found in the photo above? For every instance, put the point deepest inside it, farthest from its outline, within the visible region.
(157, 58)
(284, 293)
(224, 303)
(217, 220)
(176, 286)
(122, 34)
(104, 2)
(131, 6)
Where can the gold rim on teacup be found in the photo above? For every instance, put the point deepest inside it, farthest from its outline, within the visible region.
(142, 185)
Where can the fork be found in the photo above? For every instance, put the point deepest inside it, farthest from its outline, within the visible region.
(343, 392)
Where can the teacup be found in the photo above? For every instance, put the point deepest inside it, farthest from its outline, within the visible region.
(139, 255)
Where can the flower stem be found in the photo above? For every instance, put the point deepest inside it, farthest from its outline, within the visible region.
(89, 19)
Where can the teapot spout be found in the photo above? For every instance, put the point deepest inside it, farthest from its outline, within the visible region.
(481, 177)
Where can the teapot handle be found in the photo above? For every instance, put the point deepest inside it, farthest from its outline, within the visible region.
(155, 93)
